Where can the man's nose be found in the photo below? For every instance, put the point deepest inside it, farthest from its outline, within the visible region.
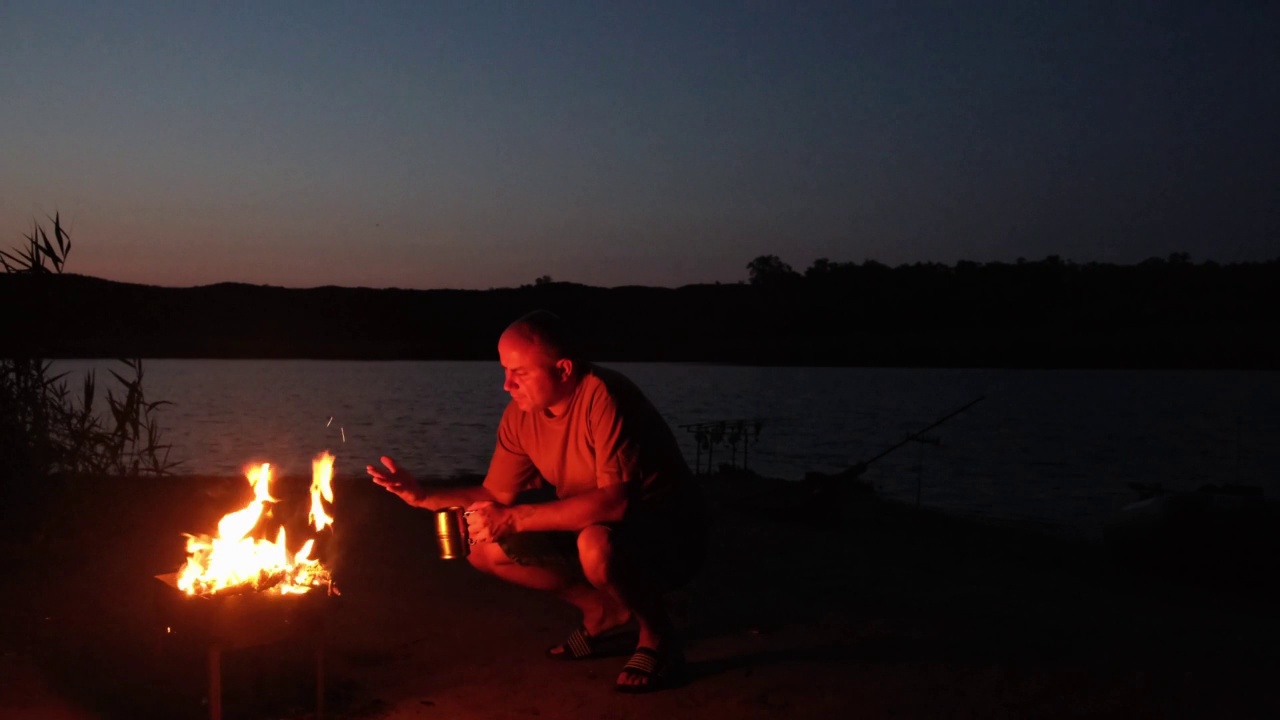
(507, 382)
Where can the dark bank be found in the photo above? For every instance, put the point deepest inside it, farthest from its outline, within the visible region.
(1162, 313)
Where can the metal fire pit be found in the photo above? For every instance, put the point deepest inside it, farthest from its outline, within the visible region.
(225, 622)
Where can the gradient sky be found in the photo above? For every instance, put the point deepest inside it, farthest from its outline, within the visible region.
(484, 144)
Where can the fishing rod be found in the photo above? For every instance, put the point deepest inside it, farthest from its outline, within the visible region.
(863, 465)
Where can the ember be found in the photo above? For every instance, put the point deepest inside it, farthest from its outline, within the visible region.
(235, 561)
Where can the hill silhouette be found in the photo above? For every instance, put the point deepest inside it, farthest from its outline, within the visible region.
(1050, 313)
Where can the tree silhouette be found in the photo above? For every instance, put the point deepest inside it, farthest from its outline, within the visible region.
(770, 270)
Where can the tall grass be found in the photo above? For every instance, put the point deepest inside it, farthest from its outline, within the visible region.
(48, 429)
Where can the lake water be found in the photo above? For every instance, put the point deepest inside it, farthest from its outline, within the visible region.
(1053, 448)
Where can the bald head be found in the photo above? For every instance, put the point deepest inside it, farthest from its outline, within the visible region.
(547, 333)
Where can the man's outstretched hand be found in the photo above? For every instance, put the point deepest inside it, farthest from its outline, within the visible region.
(398, 481)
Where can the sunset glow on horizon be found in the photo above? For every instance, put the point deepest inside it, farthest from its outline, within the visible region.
(481, 145)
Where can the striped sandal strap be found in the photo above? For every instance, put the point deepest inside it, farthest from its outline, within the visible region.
(649, 670)
(644, 662)
(578, 644)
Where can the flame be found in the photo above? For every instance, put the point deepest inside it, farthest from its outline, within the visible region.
(321, 477)
(233, 560)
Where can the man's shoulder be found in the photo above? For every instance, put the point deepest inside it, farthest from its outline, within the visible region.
(607, 379)
(606, 389)
(603, 382)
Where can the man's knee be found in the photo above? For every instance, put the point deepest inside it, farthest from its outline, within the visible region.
(595, 551)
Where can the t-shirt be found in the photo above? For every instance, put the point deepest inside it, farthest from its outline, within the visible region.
(610, 433)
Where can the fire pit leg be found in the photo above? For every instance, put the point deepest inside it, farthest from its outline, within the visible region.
(319, 681)
(215, 683)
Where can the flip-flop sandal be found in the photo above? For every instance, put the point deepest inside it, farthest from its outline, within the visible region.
(659, 670)
(581, 646)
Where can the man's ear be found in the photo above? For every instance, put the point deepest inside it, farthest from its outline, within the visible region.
(564, 367)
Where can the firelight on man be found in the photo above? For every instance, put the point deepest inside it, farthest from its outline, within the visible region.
(626, 523)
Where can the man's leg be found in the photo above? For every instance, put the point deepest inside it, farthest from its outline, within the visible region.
(600, 611)
(613, 571)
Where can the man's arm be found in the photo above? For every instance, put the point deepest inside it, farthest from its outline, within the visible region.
(602, 505)
(451, 497)
(489, 522)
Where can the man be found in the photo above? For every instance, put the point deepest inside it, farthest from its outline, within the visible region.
(628, 523)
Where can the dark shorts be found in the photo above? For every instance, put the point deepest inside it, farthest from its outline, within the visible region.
(670, 547)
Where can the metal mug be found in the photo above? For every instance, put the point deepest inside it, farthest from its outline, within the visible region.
(451, 532)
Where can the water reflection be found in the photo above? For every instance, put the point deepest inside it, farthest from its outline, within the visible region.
(1055, 447)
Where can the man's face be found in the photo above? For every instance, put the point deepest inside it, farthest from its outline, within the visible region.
(536, 381)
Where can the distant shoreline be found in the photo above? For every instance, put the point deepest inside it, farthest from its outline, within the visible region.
(1033, 316)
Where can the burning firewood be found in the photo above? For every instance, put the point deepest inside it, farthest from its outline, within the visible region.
(233, 561)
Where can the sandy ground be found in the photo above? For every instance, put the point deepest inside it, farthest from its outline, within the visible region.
(805, 611)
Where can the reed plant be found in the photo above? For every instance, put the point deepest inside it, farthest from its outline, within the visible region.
(47, 428)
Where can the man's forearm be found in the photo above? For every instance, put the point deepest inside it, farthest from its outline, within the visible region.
(607, 504)
(461, 497)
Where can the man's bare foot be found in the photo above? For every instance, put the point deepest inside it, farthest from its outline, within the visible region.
(651, 669)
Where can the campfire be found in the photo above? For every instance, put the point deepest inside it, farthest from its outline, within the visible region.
(239, 558)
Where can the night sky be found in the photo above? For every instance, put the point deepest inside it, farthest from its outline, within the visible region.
(485, 144)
